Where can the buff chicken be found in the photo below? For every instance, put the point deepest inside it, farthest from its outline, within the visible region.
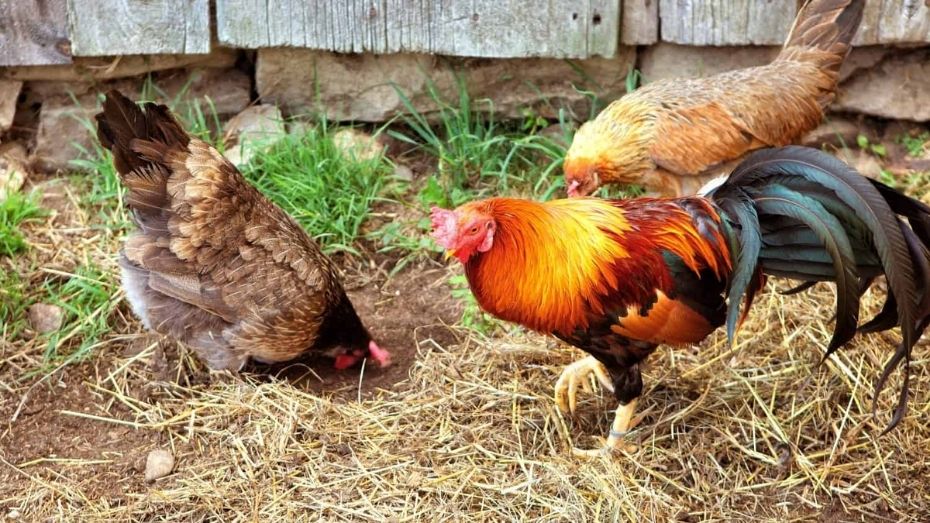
(672, 136)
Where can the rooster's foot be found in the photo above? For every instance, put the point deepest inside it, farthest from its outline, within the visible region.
(616, 438)
(576, 375)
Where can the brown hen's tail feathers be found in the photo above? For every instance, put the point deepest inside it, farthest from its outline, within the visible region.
(141, 143)
(124, 129)
(826, 27)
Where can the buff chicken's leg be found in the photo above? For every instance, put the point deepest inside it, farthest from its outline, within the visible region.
(579, 374)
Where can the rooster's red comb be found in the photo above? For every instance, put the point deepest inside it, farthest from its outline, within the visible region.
(445, 225)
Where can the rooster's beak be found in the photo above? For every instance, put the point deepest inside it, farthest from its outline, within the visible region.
(448, 255)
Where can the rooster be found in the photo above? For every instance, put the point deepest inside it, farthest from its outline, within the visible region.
(617, 278)
(672, 136)
(215, 264)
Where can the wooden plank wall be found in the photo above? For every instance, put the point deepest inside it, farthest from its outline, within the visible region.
(894, 22)
(107, 27)
(639, 22)
(484, 28)
(754, 22)
(726, 22)
(33, 32)
(39, 32)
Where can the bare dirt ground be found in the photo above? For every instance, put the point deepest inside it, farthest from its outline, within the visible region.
(462, 427)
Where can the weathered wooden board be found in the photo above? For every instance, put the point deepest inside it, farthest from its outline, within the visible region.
(484, 28)
(745, 22)
(639, 24)
(894, 22)
(726, 22)
(126, 27)
(34, 32)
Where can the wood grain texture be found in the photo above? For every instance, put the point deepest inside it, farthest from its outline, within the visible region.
(894, 22)
(481, 28)
(127, 27)
(33, 32)
(756, 22)
(639, 23)
(726, 22)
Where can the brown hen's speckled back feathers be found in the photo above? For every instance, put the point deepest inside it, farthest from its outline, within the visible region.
(214, 263)
(673, 135)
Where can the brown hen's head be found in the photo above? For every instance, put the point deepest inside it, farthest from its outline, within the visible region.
(604, 151)
(346, 339)
(464, 231)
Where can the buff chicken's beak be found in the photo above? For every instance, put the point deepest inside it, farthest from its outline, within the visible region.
(573, 188)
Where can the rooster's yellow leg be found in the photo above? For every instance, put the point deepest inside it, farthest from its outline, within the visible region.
(576, 375)
(618, 431)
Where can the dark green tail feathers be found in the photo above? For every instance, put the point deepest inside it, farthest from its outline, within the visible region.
(802, 214)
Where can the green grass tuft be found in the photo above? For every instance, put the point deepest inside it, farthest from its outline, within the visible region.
(328, 193)
(478, 156)
(916, 145)
(88, 298)
(13, 304)
(15, 210)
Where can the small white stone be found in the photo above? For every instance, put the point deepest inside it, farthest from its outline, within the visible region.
(358, 145)
(402, 172)
(158, 464)
(45, 317)
(251, 131)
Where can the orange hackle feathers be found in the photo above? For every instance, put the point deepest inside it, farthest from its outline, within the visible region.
(553, 266)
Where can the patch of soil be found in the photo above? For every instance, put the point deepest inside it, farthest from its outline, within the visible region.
(401, 312)
(44, 437)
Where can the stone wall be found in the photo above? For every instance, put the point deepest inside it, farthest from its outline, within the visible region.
(46, 107)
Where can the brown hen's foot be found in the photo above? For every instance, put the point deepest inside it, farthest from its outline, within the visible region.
(576, 375)
(616, 438)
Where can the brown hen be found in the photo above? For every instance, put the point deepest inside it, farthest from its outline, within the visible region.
(672, 136)
(215, 264)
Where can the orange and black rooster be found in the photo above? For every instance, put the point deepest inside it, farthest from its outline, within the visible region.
(215, 264)
(617, 278)
(674, 135)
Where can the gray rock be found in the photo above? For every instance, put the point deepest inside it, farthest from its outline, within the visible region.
(96, 69)
(897, 88)
(836, 131)
(12, 168)
(862, 58)
(557, 134)
(355, 144)
(45, 317)
(63, 131)
(40, 90)
(253, 130)
(228, 90)
(362, 87)
(9, 93)
(867, 165)
(158, 464)
(402, 172)
(299, 127)
(665, 60)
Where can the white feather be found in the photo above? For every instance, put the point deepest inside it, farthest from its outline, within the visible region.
(711, 185)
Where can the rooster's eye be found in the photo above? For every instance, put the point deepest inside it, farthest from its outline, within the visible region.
(473, 230)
